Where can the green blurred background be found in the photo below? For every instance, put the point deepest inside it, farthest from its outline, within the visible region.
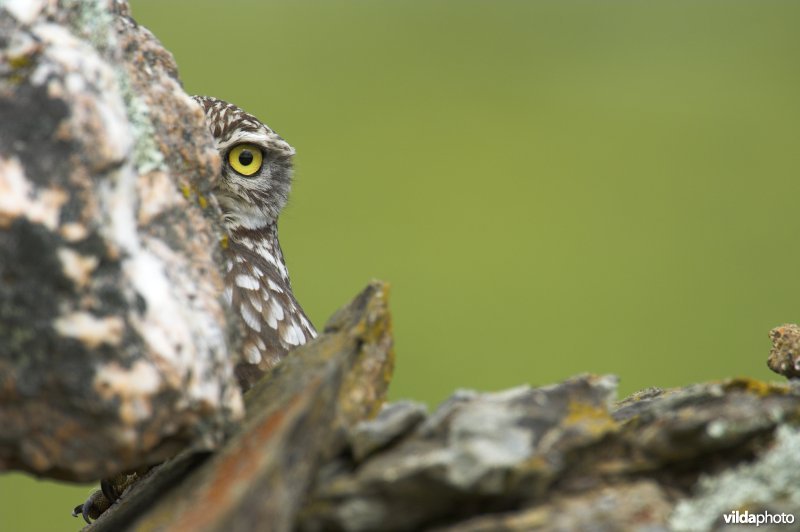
(551, 187)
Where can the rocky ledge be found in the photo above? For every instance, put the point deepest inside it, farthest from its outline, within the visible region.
(318, 452)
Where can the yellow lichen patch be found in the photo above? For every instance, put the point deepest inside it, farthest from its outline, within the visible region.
(537, 463)
(20, 61)
(591, 417)
(188, 190)
(223, 241)
(757, 387)
(364, 387)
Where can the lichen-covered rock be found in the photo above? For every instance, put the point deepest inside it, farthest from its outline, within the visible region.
(684, 424)
(476, 452)
(114, 343)
(564, 457)
(784, 357)
(638, 506)
(767, 484)
(557, 458)
(392, 422)
(260, 478)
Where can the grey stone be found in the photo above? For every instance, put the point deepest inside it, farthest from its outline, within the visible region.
(393, 422)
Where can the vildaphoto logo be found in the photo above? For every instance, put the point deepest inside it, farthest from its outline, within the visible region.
(761, 518)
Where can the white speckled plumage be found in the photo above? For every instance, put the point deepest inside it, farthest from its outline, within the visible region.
(257, 281)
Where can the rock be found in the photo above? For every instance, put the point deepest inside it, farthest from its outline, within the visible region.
(293, 421)
(784, 357)
(767, 484)
(705, 420)
(393, 421)
(477, 452)
(114, 343)
(562, 457)
(639, 506)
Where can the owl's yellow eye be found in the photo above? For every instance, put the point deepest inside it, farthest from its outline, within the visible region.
(245, 158)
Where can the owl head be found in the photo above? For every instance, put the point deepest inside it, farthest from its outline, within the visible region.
(256, 166)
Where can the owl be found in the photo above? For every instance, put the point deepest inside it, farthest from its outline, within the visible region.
(252, 191)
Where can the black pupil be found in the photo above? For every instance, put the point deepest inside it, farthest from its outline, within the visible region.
(246, 157)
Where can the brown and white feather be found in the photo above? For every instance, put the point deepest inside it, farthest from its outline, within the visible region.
(257, 282)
